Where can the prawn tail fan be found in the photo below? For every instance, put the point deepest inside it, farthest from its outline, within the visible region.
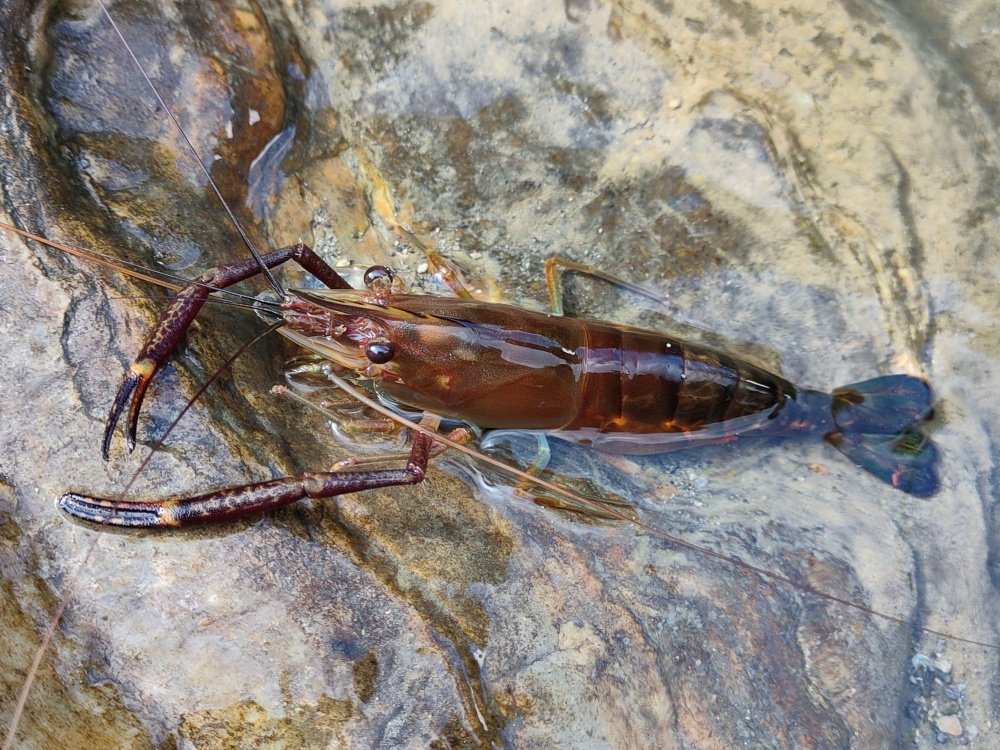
(879, 426)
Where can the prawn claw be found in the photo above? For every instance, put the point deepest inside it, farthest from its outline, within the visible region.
(98, 510)
(133, 388)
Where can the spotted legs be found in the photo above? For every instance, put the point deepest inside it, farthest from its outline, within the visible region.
(234, 502)
(179, 316)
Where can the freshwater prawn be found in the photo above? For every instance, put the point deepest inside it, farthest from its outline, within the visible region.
(495, 366)
(413, 347)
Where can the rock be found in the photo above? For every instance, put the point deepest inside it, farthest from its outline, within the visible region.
(855, 204)
(949, 725)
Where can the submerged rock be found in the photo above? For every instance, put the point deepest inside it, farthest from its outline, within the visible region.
(815, 187)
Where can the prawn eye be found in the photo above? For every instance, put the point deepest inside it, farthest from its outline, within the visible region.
(377, 272)
(379, 352)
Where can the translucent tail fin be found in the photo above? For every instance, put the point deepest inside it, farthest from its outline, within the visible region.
(879, 427)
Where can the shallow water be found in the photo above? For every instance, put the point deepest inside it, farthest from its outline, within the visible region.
(816, 185)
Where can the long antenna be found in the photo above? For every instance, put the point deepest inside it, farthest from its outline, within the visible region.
(160, 278)
(194, 152)
(9, 738)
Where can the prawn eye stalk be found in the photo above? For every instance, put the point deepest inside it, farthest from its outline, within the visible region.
(378, 275)
(380, 351)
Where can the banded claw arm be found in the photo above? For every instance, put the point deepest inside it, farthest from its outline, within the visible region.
(183, 309)
(243, 500)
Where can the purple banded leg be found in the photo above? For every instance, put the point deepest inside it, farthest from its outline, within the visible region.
(235, 502)
(178, 317)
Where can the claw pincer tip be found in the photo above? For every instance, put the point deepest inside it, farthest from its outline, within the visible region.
(108, 513)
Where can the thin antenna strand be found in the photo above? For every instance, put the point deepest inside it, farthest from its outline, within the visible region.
(749, 567)
(43, 646)
(191, 402)
(136, 271)
(265, 271)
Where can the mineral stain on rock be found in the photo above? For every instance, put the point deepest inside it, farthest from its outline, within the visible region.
(246, 724)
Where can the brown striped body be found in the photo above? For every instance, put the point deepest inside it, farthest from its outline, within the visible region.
(498, 366)
(640, 381)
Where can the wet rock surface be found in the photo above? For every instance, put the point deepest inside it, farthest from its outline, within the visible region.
(814, 186)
